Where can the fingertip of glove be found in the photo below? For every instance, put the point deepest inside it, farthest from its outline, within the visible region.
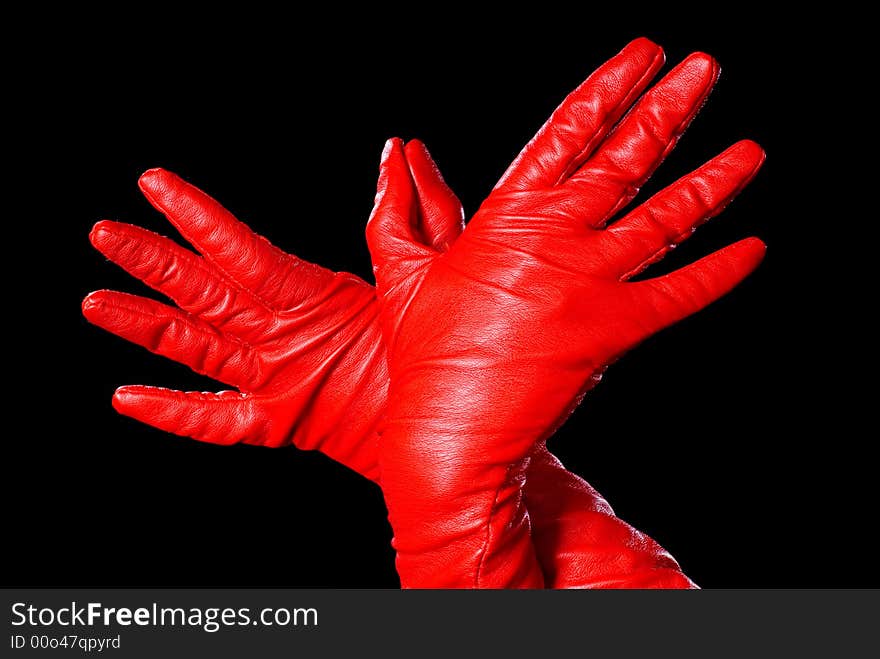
(128, 397)
(745, 156)
(700, 64)
(155, 180)
(101, 233)
(120, 400)
(392, 144)
(392, 158)
(752, 150)
(644, 44)
(93, 303)
(123, 398)
(414, 145)
(755, 244)
(419, 158)
(749, 251)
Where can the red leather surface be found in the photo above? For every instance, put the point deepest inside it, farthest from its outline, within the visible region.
(300, 343)
(492, 343)
(303, 345)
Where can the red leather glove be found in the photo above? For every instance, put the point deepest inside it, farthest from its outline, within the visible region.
(348, 392)
(591, 547)
(492, 343)
(300, 343)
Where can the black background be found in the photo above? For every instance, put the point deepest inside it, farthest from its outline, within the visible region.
(732, 438)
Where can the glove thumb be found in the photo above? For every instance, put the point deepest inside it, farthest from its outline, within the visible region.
(442, 216)
(395, 236)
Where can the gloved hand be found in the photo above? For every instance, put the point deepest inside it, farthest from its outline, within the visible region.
(300, 343)
(492, 343)
(579, 541)
(348, 392)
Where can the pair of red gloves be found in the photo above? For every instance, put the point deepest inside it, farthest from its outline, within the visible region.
(443, 382)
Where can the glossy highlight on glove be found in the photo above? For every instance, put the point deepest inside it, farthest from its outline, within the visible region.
(492, 343)
(316, 375)
(299, 342)
(230, 416)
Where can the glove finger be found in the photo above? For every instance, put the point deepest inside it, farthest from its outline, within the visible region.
(688, 290)
(174, 334)
(193, 283)
(584, 118)
(281, 279)
(227, 417)
(671, 216)
(441, 212)
(396, 245)
(621, 164)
